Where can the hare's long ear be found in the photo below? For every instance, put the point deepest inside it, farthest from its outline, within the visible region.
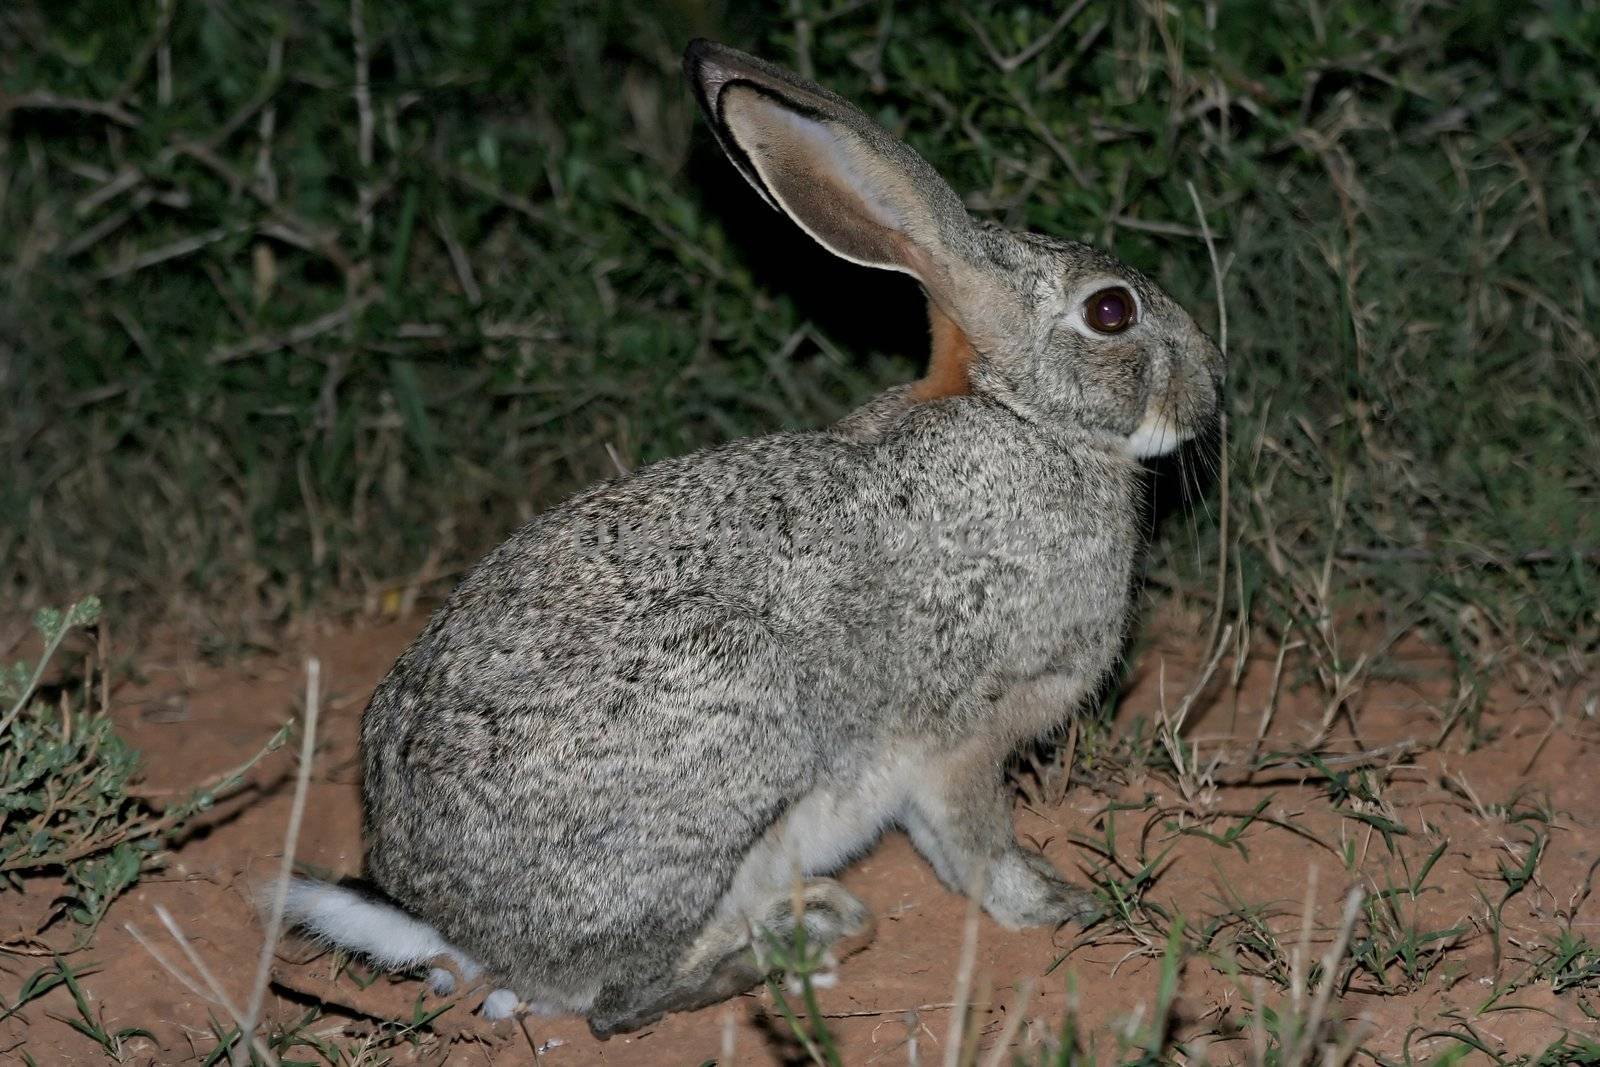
(861, 193)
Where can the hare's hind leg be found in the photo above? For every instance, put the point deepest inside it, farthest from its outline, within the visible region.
(728, 956)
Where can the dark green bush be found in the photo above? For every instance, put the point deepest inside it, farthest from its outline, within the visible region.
(308, 299)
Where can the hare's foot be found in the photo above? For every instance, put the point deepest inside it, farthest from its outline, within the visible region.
(442, 980)
(501, 1004)
(1027, 891)
(960, 819)
(831, 913)
(724, 962)
(504, 1003)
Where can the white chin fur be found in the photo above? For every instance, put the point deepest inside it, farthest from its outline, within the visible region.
(1156, 436)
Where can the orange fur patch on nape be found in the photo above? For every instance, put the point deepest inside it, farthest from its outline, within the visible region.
(949, 360)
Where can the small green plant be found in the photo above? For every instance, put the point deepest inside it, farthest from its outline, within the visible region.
(279, 1039)
(1240, 939)
(37, 985)
(90, 1023)
(1396, 950)
(66, 802)
(1519, 874)
(1572, 961)
(1567, 1050)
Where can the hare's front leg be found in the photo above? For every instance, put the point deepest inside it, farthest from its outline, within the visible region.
(959, 817)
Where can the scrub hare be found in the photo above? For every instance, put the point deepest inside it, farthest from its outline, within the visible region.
(597, 774)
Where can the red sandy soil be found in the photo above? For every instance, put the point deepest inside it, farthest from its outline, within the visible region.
(190, 722)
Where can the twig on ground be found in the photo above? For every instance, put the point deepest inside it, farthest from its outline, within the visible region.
(1271, 705)
(291, 839)
(1288, 770)
(866, 1013)
(212, 991)
(1302, 1049)
(1190, 779)
(1008, 1033)
(206, 986)
(969, 959)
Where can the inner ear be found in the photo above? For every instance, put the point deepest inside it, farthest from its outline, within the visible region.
(848, 196)
(949, 362)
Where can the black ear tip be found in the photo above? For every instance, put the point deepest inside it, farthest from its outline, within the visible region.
(697, 53)
(697, 56)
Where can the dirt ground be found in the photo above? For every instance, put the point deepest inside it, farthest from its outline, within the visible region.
(891, 1003)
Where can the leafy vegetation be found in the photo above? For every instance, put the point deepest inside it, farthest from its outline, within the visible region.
(315, 301)
(68, 805)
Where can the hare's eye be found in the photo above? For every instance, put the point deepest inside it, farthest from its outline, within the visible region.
(1109, 310)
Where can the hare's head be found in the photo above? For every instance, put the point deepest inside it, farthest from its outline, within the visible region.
(1059, 331)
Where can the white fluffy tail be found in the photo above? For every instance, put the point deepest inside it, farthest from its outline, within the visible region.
(379, 931)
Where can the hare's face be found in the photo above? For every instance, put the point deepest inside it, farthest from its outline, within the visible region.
(1092, 341)
(1059, 331)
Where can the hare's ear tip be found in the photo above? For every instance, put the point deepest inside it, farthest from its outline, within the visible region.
(701, 51)
(700, 64)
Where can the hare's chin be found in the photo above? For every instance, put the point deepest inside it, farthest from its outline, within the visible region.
(1155, 436)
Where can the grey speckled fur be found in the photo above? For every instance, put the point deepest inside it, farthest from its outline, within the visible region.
(636, 720)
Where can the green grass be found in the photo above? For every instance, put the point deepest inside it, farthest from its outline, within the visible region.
(307, 309)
